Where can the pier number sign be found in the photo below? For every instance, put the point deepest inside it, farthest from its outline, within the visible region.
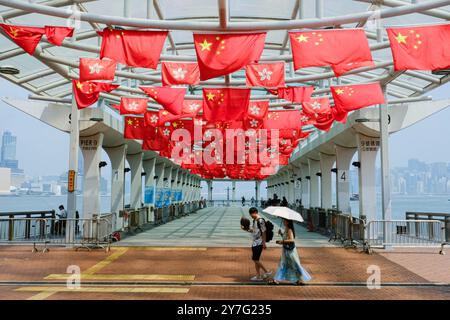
(71, 181)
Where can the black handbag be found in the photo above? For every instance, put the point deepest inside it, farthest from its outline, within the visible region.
(289, 246)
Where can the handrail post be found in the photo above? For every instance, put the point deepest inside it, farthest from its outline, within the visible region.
(11, 228)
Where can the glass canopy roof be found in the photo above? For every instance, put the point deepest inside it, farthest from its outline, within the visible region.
(48, 73)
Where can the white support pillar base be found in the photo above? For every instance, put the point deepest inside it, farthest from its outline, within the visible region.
(314, 194)
(326, 164)
(344, 157)
(135, 162)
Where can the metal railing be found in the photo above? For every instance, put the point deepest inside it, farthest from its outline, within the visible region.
(233, 203)
(405, 233)
(444, 217)
(80, 233)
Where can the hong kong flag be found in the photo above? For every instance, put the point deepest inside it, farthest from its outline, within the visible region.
(225, 104)
(270, 75)
(316, 106)
(87, 93)
(133, 105)
(258, 109)
(133, 47)
(221, 54)
(294, 94)
(174, 73)
(134, 128)
(420, 48)
(283, 120)
(151, 119)
(348, 98)
(342, 49)
(170, 98)
(97, 69)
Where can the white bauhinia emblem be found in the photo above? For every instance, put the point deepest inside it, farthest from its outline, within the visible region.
(254, 109)
(166, 132)
(213, 144)
(254, 123)
(179, 73)
(95, 68)
(193, 106)
(133, 106)
(154, 118)
(316, 105)
(264, 74)
(208, 134)
(304, 119)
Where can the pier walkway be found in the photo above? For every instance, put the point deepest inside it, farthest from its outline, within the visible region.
(215, 227)
(206, 256)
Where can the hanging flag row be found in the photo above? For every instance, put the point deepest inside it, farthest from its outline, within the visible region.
(218, 54)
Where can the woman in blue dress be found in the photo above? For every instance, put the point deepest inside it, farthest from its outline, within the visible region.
(289, 268)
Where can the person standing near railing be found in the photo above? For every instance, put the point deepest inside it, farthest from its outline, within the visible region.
(62, 219)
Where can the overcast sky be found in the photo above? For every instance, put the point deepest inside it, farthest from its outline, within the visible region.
(43, 150)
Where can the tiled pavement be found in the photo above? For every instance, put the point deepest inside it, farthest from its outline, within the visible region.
(190, 271)
(214, 227)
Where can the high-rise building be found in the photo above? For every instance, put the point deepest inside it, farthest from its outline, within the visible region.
(8, 153)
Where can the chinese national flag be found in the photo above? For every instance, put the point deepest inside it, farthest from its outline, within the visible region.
(133, 105)
(28, 37)
(258, 109)
(270, 75)
(324, 122)
(348, 98)
(420, 48)
(97, 69)
(316, 106)
(225, 104)
(283, 120)
(342, 49)
(294, 94)
(25, 37)
(133, 47)
(340, 116)
(221, 54)
(134, 128)
(170, 98)
(56, 35)
(87, 93)
(174, 73)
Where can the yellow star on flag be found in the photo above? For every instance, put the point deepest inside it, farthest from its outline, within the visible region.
(14, 32)
(401, 38)
(79, 85)
(339, 91)
(130, 122)
(210, 96)
(205, 45)
(302, 38)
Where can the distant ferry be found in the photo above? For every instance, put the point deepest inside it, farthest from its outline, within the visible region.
(354, 197)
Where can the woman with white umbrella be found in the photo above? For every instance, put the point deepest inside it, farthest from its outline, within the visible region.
(289, 268)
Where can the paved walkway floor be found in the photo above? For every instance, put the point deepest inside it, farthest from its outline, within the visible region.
(207, 256)
(215, 227)
(208, 273)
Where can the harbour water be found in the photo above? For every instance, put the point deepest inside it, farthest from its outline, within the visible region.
(400, 204)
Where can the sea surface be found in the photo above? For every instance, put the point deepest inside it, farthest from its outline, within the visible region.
(400, 204)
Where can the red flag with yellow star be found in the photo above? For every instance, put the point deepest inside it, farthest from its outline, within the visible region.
(221, 54)
(87, 93)
(56, 35)
(348, 98)
(134, 128)
(225, 104)
(269, 75)
(341, 49)
(289, 119)
(25, 37)
(133, 47)
(176, 73)
(420, 48)
(170, 98)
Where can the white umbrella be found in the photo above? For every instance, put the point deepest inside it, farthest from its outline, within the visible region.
(284, 212)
